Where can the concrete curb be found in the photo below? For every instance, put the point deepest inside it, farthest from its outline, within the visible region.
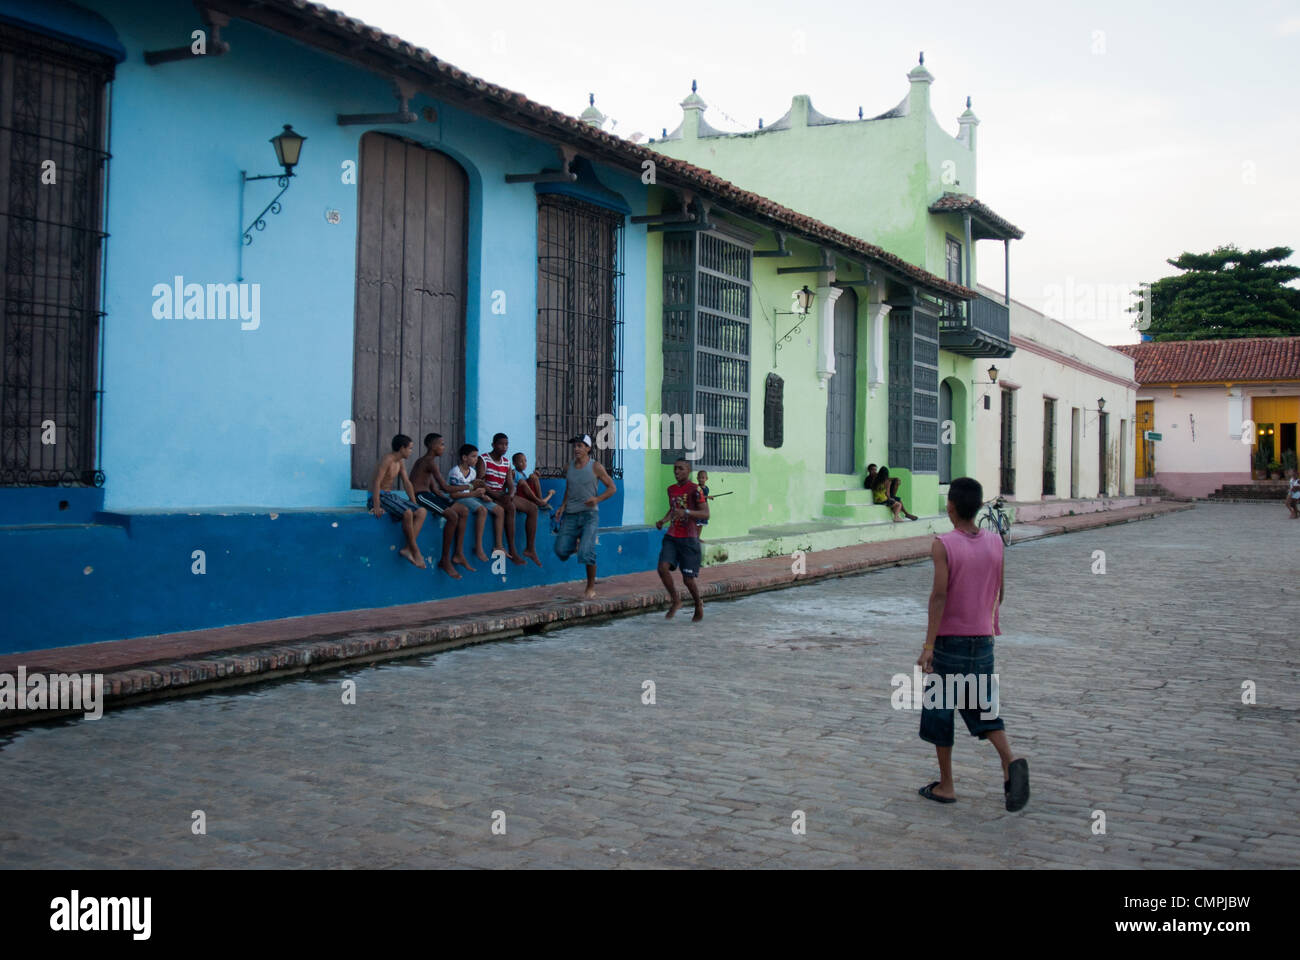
(141, 683)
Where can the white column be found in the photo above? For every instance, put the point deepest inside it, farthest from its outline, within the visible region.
(878, 321)
(826, 296)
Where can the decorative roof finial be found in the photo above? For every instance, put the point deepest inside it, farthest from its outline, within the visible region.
(692, 86)
(967, 101)
(760, 123)
(665, 133)
(859, 113)
(591, 100)
(923, 58)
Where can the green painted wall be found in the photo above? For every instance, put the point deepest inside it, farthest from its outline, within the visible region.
(787, 484)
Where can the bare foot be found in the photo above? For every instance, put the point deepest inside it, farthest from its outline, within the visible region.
(415, 559)
(478, 552)
(673, 608)
(589, 593)
(699, 613)
(449, 569)
(460, 559)
(515, 558)
(532, 555)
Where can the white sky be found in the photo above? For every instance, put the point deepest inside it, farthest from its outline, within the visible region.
(1115, 134)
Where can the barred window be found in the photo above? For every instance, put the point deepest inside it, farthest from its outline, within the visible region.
(579, 327)
(706, 349)
(52, 124)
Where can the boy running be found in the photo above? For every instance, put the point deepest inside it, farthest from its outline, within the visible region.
(392, 466)
(432, 494)
(687, 509)
(968, 589)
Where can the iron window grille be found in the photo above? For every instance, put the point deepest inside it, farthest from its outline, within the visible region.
(914, 390)
(1008, 445)
(579, 328)
(1049, 448)
(706, 347)
(53, 107)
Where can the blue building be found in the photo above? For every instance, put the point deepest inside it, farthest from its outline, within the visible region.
(209, 341)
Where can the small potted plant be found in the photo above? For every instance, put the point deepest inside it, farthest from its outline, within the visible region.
(1274, 470)
(1261, 464)
(1288, 462)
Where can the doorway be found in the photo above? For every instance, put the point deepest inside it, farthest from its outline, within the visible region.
(1144, 466)
(1074, 453)
(1008, 445)
(945, 439)
(842, 390)
(1103, 432)
(408, 361)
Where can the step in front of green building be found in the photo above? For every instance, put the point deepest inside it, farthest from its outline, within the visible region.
(818, 534)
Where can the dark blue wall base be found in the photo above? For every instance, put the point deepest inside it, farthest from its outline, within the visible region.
(131, 575)
(49, 504)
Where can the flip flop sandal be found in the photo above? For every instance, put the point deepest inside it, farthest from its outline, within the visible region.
(1017, 788)
(928, 792)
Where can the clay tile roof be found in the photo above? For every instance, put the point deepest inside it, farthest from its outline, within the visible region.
(1215, 361)
(994, 225)
(287, 16)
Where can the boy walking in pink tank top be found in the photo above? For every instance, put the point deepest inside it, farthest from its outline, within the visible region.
(958, 652)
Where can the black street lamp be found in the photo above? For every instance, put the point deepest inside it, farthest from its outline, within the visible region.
(288, 151)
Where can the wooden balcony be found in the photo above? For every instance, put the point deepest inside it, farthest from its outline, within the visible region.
(980, 328)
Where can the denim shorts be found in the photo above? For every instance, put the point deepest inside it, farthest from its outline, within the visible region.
(962, 657)
(578, 535)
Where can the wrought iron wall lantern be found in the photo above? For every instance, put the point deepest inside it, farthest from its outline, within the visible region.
(801, 302)
(1101, 408)
(288, 150)
(990, 382)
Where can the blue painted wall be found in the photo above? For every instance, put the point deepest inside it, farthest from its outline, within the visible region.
(134, 575)
(199, 413)
(230, 441)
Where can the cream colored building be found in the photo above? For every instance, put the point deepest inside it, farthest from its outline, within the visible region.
(1057, 425)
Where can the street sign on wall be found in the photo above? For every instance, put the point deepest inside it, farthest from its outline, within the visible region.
(1152, 435)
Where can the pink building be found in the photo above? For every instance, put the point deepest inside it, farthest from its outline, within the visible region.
(1214, 405)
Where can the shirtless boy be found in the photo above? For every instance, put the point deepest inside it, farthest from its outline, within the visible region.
(432, 494)
(392, 466)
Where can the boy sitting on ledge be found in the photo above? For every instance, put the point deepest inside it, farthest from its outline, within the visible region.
(392, 466)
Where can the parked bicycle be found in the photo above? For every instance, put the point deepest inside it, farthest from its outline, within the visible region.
(995, 518)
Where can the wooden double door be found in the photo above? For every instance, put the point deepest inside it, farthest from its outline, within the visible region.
(408, 370)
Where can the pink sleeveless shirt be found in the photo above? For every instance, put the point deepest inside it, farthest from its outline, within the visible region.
(974, 575)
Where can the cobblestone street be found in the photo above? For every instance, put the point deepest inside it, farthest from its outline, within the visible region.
(1123, 690)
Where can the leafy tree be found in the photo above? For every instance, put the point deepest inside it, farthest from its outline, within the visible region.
(1225, 294)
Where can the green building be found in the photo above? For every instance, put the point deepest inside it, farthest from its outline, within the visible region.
(893, 372)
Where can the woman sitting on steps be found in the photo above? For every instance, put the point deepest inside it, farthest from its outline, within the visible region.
(884, 490)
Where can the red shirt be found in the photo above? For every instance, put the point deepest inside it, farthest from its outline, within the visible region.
(685, 496)
(495, 472)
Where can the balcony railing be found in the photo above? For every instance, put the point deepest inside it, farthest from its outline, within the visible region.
(980, 328)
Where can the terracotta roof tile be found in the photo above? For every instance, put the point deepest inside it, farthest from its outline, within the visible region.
(1215, 361)
(958, 202)
(573, 129)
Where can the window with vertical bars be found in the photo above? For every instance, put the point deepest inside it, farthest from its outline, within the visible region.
(579, 327)
(52, 111)
(707, 348)
(1049, 448)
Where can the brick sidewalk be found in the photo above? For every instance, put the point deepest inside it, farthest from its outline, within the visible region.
(146, 668)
